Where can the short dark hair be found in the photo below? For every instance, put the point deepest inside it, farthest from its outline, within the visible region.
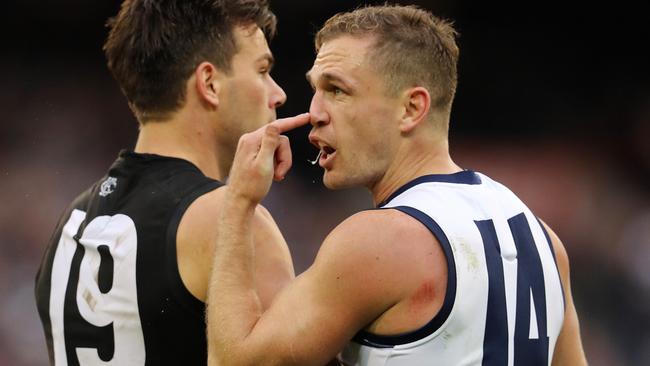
(412, 47)
(154, 46)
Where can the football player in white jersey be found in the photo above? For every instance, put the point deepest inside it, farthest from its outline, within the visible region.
(450, 269)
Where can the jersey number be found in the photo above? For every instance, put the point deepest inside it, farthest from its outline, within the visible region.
(95, 318)
(526, 310)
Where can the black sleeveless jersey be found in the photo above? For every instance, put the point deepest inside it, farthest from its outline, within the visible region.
(108, 288)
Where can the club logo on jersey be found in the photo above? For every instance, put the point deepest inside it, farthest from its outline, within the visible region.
(108, 186)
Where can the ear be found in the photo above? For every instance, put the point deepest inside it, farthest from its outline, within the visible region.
(207, 84)
(416, 103)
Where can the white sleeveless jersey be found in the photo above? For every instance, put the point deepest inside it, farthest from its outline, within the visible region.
(504, 303)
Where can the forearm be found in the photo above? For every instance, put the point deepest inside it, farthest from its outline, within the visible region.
(233, 303)
(234, 307)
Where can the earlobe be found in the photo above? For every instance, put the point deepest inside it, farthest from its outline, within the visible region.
(207, 84)
(417, 103)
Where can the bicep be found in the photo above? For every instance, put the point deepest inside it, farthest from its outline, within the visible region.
(313, 318)
(313, 328)
(273, 264)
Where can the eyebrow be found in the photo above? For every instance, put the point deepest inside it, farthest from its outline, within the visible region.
(329, 77)
(308, 77)
(269, 58)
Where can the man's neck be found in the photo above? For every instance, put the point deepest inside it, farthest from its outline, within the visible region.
(183, 139)
(412, 161)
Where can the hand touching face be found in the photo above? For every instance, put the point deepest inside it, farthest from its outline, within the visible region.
(261, 156)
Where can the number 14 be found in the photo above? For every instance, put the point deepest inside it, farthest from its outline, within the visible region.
(531, 341)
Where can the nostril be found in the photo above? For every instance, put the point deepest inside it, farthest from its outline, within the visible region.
(317, 123)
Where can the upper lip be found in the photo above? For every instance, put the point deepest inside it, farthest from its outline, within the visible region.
(319, 143)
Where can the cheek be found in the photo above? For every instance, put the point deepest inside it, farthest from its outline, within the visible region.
(362, 129)
(368, 136)
(247, 88)
(371, 148)
(252, 103)
(255, 92)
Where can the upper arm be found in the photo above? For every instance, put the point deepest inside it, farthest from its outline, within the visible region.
(273, 264)
(351, 283)
(568, 350)
(196, 238)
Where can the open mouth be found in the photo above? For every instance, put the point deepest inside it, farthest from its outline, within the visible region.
(327, 150)
(327, 153)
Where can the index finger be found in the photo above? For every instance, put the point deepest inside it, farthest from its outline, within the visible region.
(288, 124)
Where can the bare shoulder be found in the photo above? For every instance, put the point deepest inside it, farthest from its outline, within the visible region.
(200, 217)
(379, 228)
(196, 241)
(394, 266)
(199, 220)
(386, 241)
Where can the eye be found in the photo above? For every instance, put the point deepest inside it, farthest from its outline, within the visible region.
(265, 68)
(337, 91)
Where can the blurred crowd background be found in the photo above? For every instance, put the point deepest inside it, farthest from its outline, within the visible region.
(553, 101)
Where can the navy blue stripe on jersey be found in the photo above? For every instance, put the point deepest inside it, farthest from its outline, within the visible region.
(183, 295)
(550, 245)
(528, 351)
(495, 341)
(387, 341)
(530, 280)
(464, 177)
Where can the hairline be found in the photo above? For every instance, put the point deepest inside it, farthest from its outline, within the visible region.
(373, 51)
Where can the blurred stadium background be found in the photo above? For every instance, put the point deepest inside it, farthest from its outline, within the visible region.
(553, 101)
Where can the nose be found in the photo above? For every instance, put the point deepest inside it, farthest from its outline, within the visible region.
(319, 116)
(278, 96)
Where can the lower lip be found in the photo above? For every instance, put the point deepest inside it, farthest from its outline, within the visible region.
(325, 160)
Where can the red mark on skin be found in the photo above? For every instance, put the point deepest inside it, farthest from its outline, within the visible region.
(424, 295)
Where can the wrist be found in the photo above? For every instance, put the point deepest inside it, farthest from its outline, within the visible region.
(236, 202)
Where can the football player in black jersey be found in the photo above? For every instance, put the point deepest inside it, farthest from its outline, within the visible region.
(125, 275)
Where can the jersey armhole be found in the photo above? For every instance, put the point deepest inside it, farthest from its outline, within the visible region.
(550, 245)
(388, 341)
(176, 285)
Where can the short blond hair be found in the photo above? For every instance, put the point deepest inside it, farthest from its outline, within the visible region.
(412, 47)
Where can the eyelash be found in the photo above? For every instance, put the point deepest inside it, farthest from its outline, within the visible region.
(335, 90)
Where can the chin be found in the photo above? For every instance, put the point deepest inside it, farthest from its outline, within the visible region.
(331, 181)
